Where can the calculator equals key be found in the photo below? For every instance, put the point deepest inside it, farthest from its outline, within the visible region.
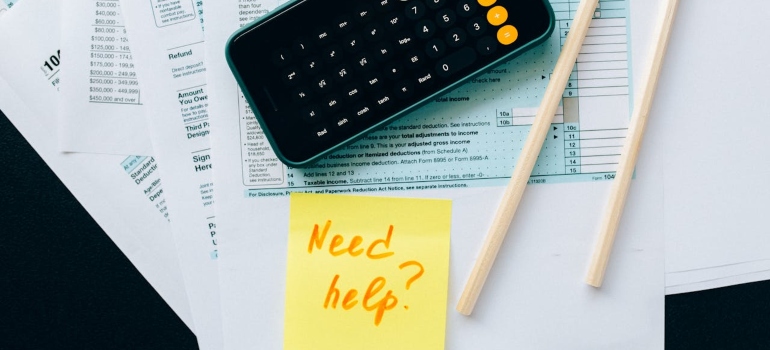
(362, 69)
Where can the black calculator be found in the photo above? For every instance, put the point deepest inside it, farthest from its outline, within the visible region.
(320, 74)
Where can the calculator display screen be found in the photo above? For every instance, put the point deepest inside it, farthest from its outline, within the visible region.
(322, 72)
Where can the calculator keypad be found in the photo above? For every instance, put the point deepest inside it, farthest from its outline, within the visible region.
(341, 74)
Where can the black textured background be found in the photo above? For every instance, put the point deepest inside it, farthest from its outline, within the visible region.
(65, 285)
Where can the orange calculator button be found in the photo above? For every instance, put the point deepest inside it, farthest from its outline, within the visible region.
(497, 15)
(486, 3)
(507, 35)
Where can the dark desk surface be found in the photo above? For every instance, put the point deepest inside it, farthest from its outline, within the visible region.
(66, 285)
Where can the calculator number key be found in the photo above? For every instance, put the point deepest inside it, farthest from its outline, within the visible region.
(456, 62)
(415, 10)
(467, 8)
(446, 18)
(436, 4)
(425, 29)
(435, 48)
(477, 26)
(456, 37)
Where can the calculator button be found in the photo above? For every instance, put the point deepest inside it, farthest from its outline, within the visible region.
(467, 8)
(352, 93)
(404, 90)
(425, 29)
(497, 16)
(393, 71)
(383, 101)
(404, 40)
(364, 13)
(333, 54)
(362, 110)
(487, 3)
(486, 45)
(424, 79)
(342, 122)
(507, 35)
(302, 95)
(477, 26)
(364, 62)
(312, 66)
(353, 43)
(415, 10)
(373, 81)
(322, 84)
(321, 133)
(374, 32)
(414, 59)
(456, 62)
(343, 24)
(323, 36)
(311, 114)
(456, 37)
(435, 48)
(342, 73)
(395, 22)
(291, 77)
(385, 5)
(446, 18)
(331, 104)
(302, 47)
(281, 57)
(383, 51)
(435, 4)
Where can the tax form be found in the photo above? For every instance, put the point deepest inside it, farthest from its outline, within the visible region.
(434, 148)
(171, 62)
(463, 146)
(101, 106)
(122, 194)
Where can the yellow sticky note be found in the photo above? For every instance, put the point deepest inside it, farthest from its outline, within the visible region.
(366, 273)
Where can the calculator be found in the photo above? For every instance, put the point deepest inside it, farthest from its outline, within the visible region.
(321, 74)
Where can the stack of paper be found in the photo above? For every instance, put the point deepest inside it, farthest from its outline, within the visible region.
(144, 93)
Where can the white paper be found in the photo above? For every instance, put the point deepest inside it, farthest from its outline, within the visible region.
(100, 108)
(170, 62)
(713, 105)
(535, 296)
(122, 194)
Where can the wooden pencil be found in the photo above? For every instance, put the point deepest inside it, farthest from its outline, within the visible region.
(630, 153)
(528, 156)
